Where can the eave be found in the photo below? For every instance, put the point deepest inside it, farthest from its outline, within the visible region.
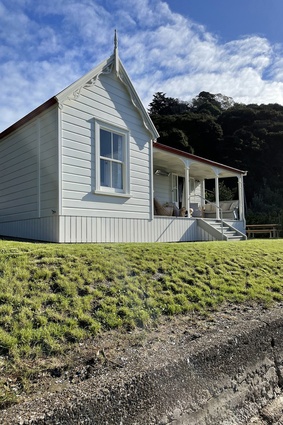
(72, 92)
(33, 114)
(224, 170)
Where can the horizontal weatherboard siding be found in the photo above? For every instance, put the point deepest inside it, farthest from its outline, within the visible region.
(29, 176)
(107, 101)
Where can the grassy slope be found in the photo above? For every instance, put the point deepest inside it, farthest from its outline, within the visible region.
(53, 296)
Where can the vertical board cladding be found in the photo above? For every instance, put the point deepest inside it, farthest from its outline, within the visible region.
(239, 225)
(104, 229)
(28, 163)
(44, 229)
(106, 101)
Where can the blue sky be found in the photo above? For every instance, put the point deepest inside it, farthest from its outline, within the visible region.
(230, 20)
(180, 47)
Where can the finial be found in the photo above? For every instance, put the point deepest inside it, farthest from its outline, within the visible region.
(115, 40)
(116, 54)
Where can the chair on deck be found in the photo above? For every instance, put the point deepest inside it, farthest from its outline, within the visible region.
(160, 209)
(168, 209)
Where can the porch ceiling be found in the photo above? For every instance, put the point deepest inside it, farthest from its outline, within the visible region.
(199, 169)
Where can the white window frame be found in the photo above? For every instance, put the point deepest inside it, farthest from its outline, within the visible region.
(104, 190)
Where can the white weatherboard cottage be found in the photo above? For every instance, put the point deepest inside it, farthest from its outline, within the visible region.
(85, 167)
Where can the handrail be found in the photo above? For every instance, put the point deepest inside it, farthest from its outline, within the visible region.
(220, 211)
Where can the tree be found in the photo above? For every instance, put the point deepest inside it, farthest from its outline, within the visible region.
(226, 102)
(207, 103)
(177, 137)
(162, 105)
(247, 137)
(225, 193)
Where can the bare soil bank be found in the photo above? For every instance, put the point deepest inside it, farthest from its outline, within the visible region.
(223, 369)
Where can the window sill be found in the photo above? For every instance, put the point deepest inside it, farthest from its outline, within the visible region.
(115, 194)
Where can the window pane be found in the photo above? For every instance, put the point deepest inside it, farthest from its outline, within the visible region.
(105, 143)
(117, 175)
(105, 173)
(118, 147)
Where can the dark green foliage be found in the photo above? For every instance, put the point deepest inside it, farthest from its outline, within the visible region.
(200, 132)
(179, 137)
(207, 103)
(162, 105)
(247, 137)
(225, 193)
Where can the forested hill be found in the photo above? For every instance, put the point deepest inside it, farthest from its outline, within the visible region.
(248, 137)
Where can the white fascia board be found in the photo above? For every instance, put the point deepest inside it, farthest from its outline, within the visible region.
(125, 79)
(73, 90)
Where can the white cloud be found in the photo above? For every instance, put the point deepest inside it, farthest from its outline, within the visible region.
(52, 43)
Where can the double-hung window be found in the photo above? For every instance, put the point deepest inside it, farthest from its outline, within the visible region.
(112, 160)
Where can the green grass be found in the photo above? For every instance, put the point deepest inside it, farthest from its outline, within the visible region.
(54, 296)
